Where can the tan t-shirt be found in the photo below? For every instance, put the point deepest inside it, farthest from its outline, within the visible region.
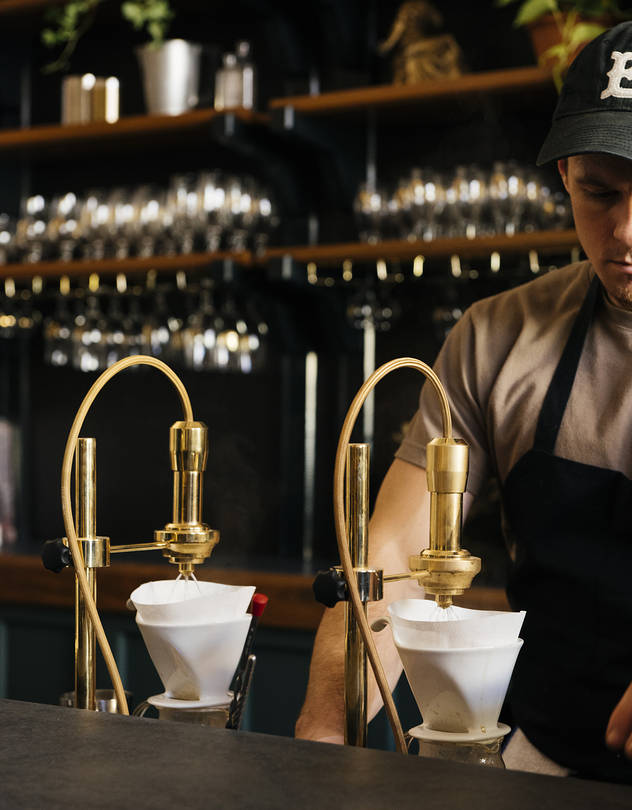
(496, 366)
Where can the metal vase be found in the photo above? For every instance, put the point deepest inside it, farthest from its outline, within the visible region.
(171, 75)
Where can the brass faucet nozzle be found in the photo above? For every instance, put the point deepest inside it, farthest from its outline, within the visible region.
(447, 575)
(188, 541)
(450, 568)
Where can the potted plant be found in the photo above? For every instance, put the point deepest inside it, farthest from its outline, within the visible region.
(67, 23)
(170, 67)
(560, 28)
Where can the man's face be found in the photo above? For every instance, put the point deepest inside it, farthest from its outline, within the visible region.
(600, 189)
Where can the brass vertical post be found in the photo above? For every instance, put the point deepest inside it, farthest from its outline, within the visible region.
(357, 480)
(85, 512)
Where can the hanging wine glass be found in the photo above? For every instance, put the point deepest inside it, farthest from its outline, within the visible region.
(8, 247)
(8, 316)
(96, 222)
(434, 204)
(230, 336)
(62, 230)
(253, 346)
(213, 211)
(516, 198)
(135, 337)
(89, 337)
(371, 210)
(244, 214)
(266, 221)
(158, 327)
(499, 195)
(183, 202)
(199, 335)
(31, 229)
(475, 202)
(115, 331)
(153, 219)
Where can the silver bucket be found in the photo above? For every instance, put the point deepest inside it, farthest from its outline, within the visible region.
(171, 76)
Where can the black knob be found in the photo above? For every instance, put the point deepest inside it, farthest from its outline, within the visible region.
(55, 555)
(330, 587)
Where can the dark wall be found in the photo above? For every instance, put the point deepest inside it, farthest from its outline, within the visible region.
(255, 490)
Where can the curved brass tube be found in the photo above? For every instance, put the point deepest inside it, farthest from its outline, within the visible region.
(341, 527)
(66, 503)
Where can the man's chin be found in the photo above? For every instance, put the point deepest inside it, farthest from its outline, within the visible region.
(621, 295)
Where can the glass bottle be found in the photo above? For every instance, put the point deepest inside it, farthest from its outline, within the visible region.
(248, 74)
(228, 83)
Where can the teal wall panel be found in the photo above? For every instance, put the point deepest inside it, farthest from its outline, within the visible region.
(37, 665)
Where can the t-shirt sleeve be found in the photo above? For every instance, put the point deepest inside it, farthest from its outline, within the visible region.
(458, 367)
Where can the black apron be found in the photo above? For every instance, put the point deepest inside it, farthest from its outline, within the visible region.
(572, 524)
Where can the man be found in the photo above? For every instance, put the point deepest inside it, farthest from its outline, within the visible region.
(538, 382)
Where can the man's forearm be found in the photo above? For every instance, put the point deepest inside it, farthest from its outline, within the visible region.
(398, 528)
(322, 716)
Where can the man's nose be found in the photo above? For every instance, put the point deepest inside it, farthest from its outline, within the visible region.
(623, 223)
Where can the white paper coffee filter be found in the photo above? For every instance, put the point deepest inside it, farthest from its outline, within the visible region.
(421, 624)
(196, 662)
(190, 602)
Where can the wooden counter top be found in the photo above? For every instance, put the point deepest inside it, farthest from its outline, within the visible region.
(25, 581)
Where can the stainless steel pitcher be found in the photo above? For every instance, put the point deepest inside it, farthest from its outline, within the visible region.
(171, 76)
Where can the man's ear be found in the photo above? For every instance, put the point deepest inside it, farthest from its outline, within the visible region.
(562, 167)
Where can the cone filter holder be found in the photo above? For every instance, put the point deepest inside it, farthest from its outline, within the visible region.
(458, 663)
(194, 632)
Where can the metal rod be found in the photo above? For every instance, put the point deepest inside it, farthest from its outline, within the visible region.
(368, 367)
(85, 519)
(309, 457)
(358, 534)
(151, 546)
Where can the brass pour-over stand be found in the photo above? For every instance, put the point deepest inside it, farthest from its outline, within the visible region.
(444, 569)
(186, 541)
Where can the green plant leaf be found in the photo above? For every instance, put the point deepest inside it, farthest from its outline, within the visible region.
(133, 13)
(154, 15)
(584, 32)
(558, 53)
(530, 10)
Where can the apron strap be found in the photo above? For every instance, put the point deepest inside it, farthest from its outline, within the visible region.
(561, 383)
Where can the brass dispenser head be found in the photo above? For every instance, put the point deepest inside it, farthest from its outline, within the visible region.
(188, 541)
(450, 568)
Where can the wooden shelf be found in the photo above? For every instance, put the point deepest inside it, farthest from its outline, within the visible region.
(15, 7)
(332, 254)
(391, 95)
(544, 241)
(136, 127)
(25, 581)
(188, 261)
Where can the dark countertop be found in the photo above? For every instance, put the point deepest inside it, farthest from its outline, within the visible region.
(53, 757)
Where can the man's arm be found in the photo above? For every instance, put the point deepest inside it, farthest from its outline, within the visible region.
(398, 528)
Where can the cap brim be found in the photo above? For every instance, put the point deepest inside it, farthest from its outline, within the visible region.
(608, 132)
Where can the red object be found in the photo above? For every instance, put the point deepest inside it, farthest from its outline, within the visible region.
(259, 602)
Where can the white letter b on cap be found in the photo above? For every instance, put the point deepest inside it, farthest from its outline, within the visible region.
(617, 72)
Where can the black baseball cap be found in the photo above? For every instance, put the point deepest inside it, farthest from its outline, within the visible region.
(594, 110)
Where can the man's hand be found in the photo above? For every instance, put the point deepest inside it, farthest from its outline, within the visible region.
(619, 732)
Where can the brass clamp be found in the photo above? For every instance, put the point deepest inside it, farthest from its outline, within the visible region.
(56, 554)
(330, 587)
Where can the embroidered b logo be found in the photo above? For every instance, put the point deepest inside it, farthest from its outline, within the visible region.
(617, 72)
